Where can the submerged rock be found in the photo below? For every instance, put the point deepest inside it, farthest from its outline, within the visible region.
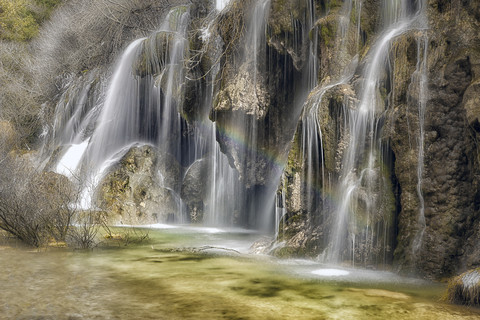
(465, 288)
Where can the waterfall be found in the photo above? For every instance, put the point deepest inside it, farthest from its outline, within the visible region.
(311, 127)
(222, 202)
(118, 124)
(220, 4)
(361, 178)
(420, 79)
(235, 181)
(141, 105)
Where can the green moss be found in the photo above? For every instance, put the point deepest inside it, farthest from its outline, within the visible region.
(295, 156)
(20, 19)
(327, 34)
(16, 21)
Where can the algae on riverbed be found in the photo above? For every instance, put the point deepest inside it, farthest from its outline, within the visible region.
(153, 282)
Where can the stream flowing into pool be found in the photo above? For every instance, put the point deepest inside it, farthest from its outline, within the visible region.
(203, 273)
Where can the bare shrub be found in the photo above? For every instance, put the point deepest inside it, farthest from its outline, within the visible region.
(83, 233)
(19, 103)
(86, 34)
(36, 207)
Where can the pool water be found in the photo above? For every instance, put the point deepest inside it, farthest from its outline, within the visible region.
(195, 273)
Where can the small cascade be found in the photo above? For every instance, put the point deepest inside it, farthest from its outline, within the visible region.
(222, 200)
(142, 105)
(420, 79)
(312, 147)
(221, 4)
(240, 133)
(362, 186)
(114, 129)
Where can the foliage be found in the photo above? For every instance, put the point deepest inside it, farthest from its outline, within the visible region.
(16, 21)
(20, 19)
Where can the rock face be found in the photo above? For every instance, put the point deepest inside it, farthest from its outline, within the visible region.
(258, 86)
(450, 186)
(433, 225)
(131, 192)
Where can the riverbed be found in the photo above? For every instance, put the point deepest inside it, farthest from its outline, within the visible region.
(203, 273)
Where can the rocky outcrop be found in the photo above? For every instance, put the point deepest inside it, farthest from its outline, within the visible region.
(255, 100)
(449, 186)
(131, 193)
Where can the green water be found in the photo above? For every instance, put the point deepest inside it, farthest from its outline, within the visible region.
(151, 281)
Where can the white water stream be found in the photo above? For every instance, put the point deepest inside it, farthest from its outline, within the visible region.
(359, 172)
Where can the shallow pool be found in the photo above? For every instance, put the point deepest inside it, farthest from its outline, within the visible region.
(193, 273)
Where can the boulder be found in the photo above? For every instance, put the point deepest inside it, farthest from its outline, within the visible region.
(465, 288)
(195, 189)
(132, 193)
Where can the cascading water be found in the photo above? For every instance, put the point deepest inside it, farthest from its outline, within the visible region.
(361, 174)
(420, 80)
(240, 133)
(312, 147)
(143, 105)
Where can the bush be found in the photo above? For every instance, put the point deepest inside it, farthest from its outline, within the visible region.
(16, 20)
(36, 207)
(83, 234)
(87, 34)
(19, 96)
(20, 19)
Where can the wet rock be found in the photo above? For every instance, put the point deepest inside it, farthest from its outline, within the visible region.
(299, 236)
(131, 192)
(254, 106)
(195, 189)
(465, 288)
(263, 245)
(471, 102)
(286, 20)
(244, 94)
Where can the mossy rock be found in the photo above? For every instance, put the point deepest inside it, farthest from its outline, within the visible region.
(154, 54)
(465, 288)
(131, 192)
